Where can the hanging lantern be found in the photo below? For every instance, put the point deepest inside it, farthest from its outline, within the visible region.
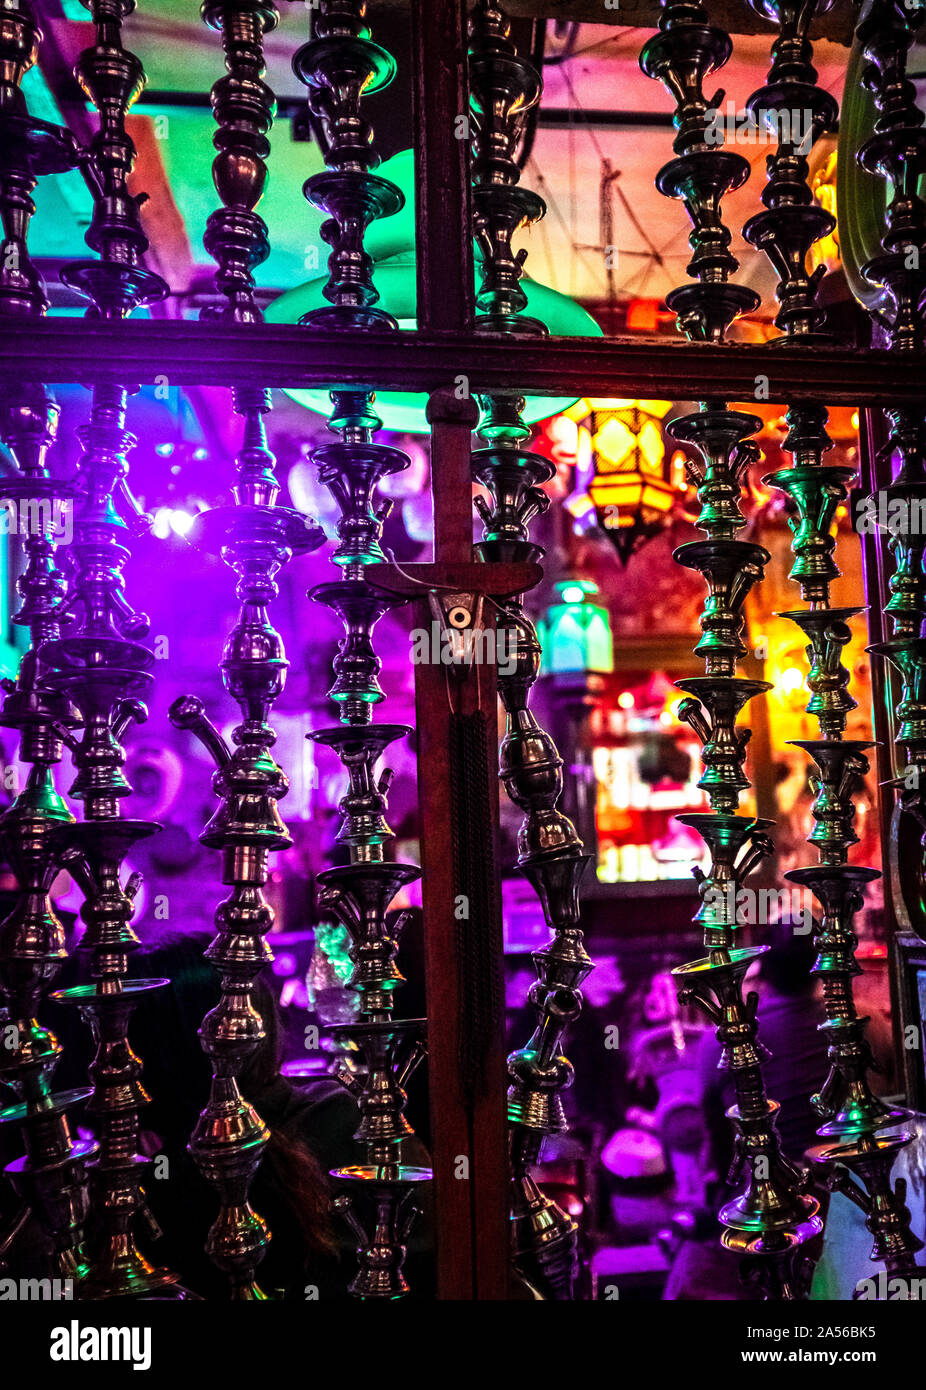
(631, 485)
(575, 633)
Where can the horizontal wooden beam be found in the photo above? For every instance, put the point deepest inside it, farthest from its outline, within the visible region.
(502, 580)
(204, 354)
(736, 16)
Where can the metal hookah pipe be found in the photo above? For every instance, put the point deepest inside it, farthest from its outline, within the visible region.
(339, 66)
(853, 1117)
(255, 537)
(504, 88)
(773, 1217)
(50, 1178)
(103, 666)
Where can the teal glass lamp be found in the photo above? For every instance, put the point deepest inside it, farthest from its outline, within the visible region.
(576, 632)
(391, 243)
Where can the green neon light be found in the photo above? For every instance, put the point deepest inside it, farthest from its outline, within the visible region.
(575, 590)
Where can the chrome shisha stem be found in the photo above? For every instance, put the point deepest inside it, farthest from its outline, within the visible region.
(340, 65)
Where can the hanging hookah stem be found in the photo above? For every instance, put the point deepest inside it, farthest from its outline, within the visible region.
(244, 108)
(897, 153)
(772, 1218)
(104, 668)
(339, 65)
(50, 1179)
(852, 1116)
(35, 830)
(255, 537)
(504, 88)
(797, 112)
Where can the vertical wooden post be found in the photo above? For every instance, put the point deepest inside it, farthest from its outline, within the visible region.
(443, 201)
(468, 1132)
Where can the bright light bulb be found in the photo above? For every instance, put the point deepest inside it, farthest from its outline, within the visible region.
(181, 522)
(625, 700)
(791, 680)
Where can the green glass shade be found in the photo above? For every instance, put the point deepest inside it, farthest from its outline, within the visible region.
(576, 633)
(861, 197)
(391, 243)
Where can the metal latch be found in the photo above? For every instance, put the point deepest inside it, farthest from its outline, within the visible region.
(457, 631)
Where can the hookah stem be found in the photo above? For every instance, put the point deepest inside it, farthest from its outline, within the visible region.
(118, 1268)
(787, 231)
(504, 89)
(104, 668)
(255, 537)
(896, 152)
(51, 1178)
(244, 107)
(772, 1218)
(339, 65)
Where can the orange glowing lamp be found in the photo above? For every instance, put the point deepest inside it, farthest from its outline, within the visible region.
(634, 487)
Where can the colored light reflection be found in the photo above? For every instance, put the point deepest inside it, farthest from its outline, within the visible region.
(175, 521)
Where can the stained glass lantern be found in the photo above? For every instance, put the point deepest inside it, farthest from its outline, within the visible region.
(576, 631)
(632, 485)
